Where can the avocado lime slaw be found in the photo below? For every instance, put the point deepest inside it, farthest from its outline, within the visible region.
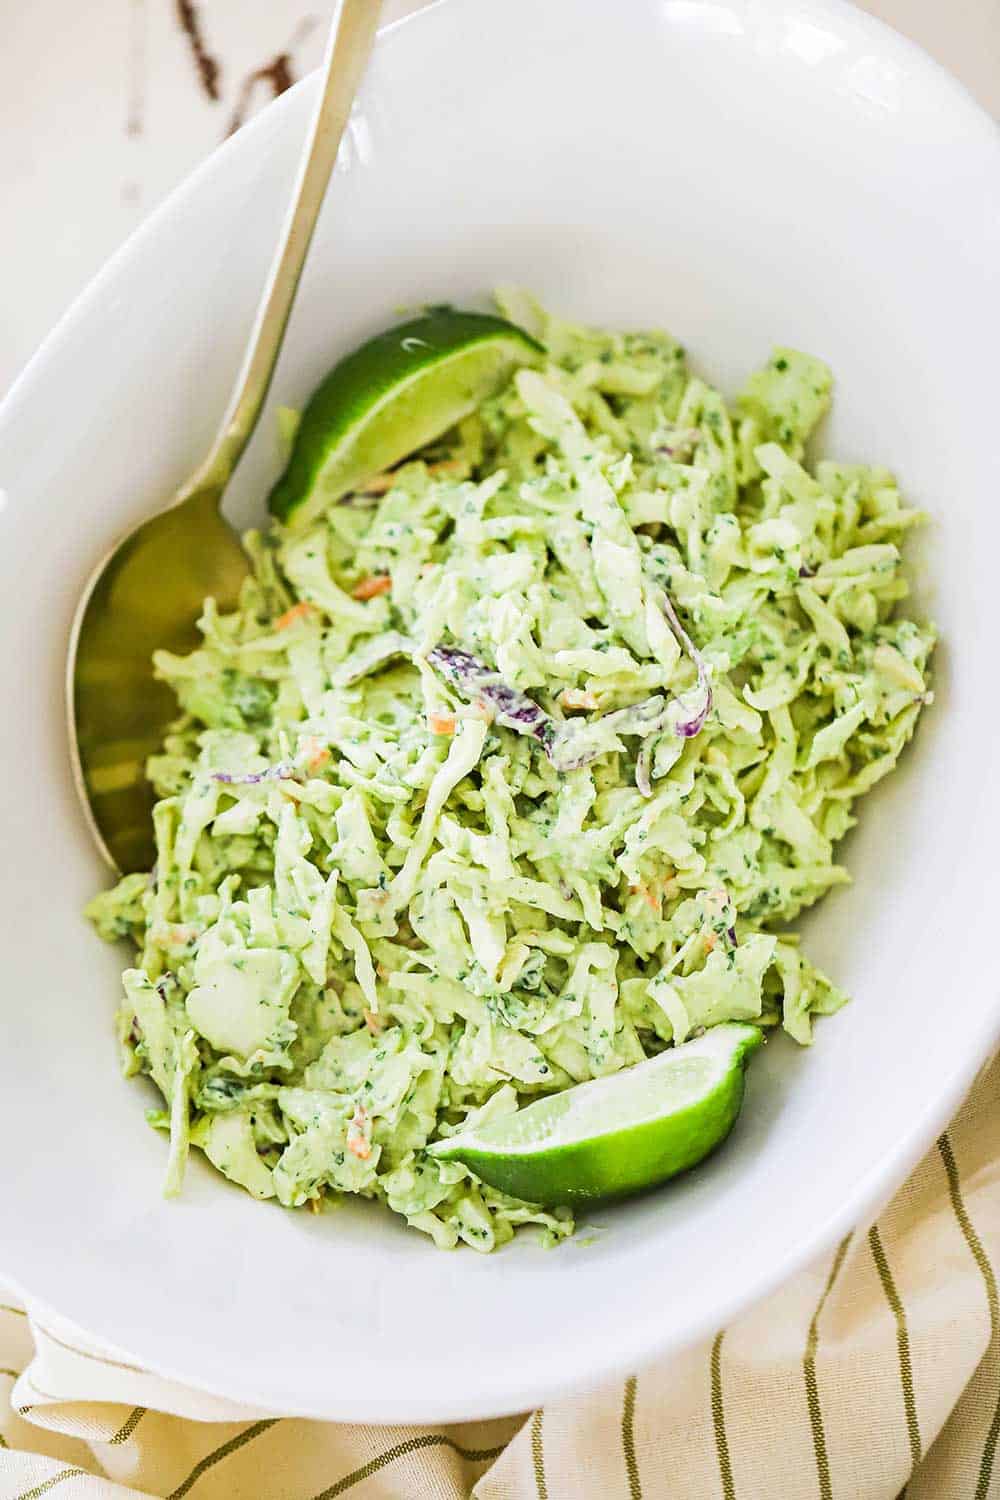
(512, 769)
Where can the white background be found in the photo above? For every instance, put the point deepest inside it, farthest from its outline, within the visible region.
(102, 112)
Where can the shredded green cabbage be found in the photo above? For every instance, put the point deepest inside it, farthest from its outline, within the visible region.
(378, 913)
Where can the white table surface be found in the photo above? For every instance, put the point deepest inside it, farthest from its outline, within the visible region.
(103, 110)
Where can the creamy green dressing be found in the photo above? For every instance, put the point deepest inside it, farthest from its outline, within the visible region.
(396, 893)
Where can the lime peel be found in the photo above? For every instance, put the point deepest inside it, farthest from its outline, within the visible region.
(618, 1134)
(396, 393)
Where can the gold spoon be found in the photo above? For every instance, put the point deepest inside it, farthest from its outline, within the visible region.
(148, 592)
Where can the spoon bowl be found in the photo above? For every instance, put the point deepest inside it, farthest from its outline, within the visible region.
(145, 596)
(148, 592)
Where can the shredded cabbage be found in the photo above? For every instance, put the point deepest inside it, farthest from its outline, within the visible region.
(515, 776)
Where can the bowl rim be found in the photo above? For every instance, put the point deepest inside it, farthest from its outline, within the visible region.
(839, 11)
(645, 1341)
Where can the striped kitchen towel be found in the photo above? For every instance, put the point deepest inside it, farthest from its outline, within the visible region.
(872, 1375)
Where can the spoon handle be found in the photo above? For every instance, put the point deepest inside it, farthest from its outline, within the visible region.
(351, 36)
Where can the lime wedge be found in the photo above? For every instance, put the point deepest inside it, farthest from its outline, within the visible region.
(396, 393)
(615, 1135)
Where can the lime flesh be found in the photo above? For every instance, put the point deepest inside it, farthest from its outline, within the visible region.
(394, 394)
(619, 1134)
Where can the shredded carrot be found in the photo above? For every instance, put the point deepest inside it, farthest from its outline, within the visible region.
(441, 723)
(316, 754)
(710, 941)
(578, 698)
(357, 1142)
(370, 588)
(374, 1023)
(297, 612)
(378, 484)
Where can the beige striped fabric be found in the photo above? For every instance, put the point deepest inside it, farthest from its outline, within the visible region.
(874, 1375)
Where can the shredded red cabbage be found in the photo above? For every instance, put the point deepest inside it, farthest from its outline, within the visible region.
(475, 680)
(568, 746)
(283, 771)
(688, 728)
(575, 744)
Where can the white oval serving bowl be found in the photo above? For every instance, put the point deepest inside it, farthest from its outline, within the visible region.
(743, 173)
